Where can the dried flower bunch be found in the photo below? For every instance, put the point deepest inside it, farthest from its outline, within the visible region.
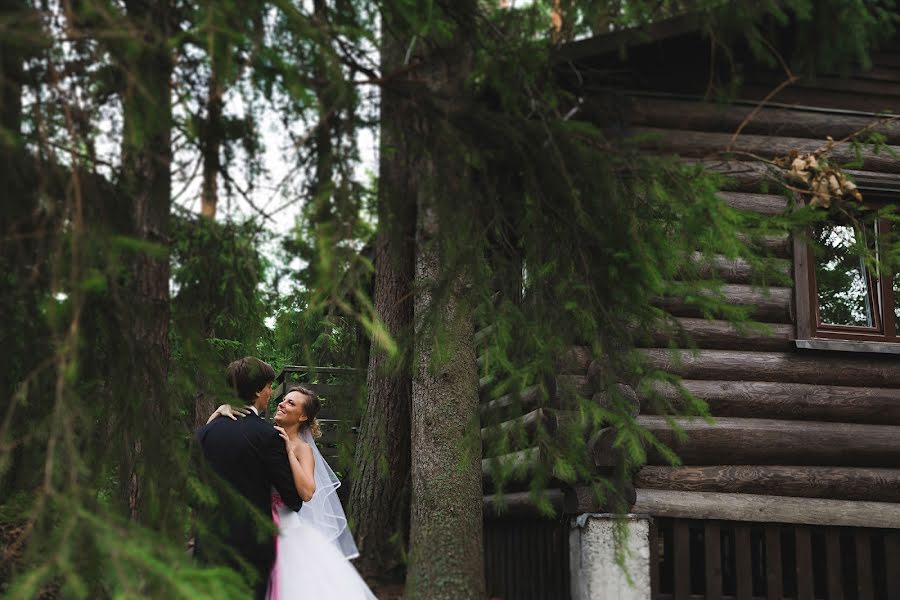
(824, 182)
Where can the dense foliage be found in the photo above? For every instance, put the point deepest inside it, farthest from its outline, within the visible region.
(563, 235)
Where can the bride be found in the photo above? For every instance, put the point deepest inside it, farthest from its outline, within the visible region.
(314, 545)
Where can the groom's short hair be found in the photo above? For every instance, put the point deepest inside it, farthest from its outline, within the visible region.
(249, 375)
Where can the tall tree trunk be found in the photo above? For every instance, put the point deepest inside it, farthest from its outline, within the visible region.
(379, 496)
(204, 402)
(212, 141)
(446, 520)
(146, 158)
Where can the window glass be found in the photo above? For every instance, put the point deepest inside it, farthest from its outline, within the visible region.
(844, 287)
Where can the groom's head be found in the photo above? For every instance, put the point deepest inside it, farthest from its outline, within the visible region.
(251, 379)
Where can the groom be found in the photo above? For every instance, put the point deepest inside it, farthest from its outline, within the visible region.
(250, 456)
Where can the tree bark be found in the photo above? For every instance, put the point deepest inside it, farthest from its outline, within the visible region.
(146, 158)
(446, 513)
(212, 142)
(380, 492)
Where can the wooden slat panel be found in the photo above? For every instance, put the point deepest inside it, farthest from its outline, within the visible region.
(892, 564)
(804, 564)
(713, 549)
(774, 577)
(863, 543)
(682, 558)
(654, 559)
(833, 564)
(743, 567)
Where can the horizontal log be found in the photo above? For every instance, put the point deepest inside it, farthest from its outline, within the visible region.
(740, 175)
(772, 305)
(821, 98)
(774, 442)
(581, 499)
(786, 367)
(738, 270)
(551, 420)
(765, 204)
(482, 335)
(697, 115)
(771, 245)
(521, 465)
(767, 509)
(716, 334)
(837, 483)
(774, 400)
(706, 144)
(521, 504)
(750, 176)
(566, 385)
(574, 361)
(626, 393)
(528, 399)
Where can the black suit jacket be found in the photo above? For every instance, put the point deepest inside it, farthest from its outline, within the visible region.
(250, 456)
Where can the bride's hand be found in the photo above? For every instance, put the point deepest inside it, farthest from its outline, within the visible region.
(289, 444)
(226, 410)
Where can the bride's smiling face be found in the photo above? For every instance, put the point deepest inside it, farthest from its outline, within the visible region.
(290, 410)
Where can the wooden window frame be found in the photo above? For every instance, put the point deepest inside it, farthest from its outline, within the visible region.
(811, 333)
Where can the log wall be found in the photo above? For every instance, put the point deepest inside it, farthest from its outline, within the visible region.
(794, 424)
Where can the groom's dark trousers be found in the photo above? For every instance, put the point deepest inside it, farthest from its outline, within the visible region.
(249, 455)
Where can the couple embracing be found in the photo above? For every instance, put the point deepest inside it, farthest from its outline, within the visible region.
(279, 478)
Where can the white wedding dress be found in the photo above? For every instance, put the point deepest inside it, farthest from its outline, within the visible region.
(315, 545)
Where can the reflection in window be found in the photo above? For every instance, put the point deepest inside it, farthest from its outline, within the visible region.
(843, 284)
(897, 297)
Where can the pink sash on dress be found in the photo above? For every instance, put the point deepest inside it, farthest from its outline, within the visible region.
(273, 576)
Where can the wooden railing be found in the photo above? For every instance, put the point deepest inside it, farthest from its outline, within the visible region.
(692, 559)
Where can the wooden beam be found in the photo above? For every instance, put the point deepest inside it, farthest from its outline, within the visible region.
(522, 465)
(735, 270)
(771, 245)
(581, 499)
(774, 442)
(722, 335)
(520, 504)
(773, 400)
(672, 113)
(574, 361)
(837, 483)
(765, 204)
(767, 509)
(772, 305)
(730, 365)
(705, 144)
(550, 419)
(529, 399)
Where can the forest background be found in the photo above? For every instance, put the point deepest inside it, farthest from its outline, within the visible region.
(490, 209)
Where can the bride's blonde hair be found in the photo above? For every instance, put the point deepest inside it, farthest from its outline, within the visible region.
(311, 406)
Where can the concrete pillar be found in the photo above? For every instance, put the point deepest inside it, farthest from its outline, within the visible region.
(592, 558)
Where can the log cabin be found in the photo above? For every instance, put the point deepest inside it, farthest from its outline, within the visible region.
(794, 490)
